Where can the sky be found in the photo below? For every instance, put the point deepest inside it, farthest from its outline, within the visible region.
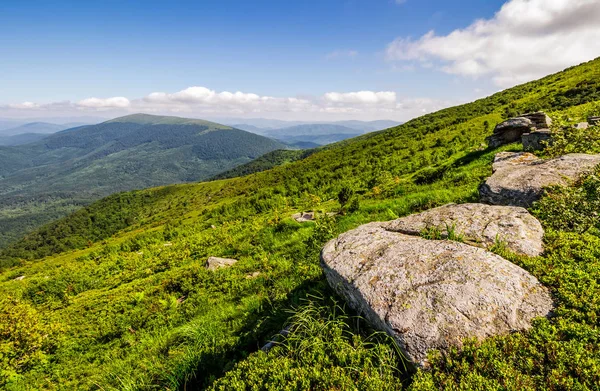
(312, 60)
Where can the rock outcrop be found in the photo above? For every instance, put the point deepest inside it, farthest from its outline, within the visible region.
(520, 178)
(513, 129)
(537, 140)
(478, 224)
(540, 119)
(430, 294)
(510, 131)
(214, 263)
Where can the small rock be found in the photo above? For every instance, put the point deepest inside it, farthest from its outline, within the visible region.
(479, 224)
(214, 263)
(20, 278)
(252, 275)
(520, 178)
(282, 334)
(594, 120)
(168, 244)
(431, 294)
(581, 125)
(304, 217)
(213, 226)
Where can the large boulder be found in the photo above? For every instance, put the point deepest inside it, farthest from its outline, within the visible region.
(510, 131)
(519, 179)
(478, 224)
(430, 294)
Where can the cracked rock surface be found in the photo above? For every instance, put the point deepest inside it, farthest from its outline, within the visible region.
(480, 225)
(519, 178)
(430, 294)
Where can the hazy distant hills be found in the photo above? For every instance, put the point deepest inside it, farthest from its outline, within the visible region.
(37, 127)
(131, 152)
(13, 132)
(316, 133)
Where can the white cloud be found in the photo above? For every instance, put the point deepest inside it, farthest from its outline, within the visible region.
(525, 40)
(361, 97)
(200, 101)
(342, 54)
(23, 106)
(118, 102)
(202, 95)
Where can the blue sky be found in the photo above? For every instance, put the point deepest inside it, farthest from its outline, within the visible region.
(284, 57)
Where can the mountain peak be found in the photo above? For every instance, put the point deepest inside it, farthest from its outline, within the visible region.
(150, 119)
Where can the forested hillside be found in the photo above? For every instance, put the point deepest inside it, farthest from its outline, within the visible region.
(79, 165)
(117, 295)
(267, 162)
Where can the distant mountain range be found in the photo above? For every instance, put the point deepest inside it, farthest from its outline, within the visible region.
(48, 177)
(11, 128)
(316, 133)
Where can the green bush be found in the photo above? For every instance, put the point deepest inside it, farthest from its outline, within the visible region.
(572, 208)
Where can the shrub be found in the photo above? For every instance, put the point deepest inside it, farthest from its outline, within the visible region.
(570, 140)
(572, 208)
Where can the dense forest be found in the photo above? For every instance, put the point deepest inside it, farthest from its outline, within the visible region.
(117, 295)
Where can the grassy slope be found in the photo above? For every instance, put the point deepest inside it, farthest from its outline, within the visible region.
(266, 162)
(125, 301)
(81, 165)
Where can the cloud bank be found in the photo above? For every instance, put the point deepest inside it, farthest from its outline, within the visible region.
(525, 40)
(202, 101)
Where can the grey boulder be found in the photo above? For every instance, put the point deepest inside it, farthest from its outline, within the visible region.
(430, 294)
(510, 131)
(304, 217)
(478, 224)
(519, 179)
(214, 263)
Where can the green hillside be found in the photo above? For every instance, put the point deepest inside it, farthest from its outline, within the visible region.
(117, 296)
(80, 165)
(266, 162)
